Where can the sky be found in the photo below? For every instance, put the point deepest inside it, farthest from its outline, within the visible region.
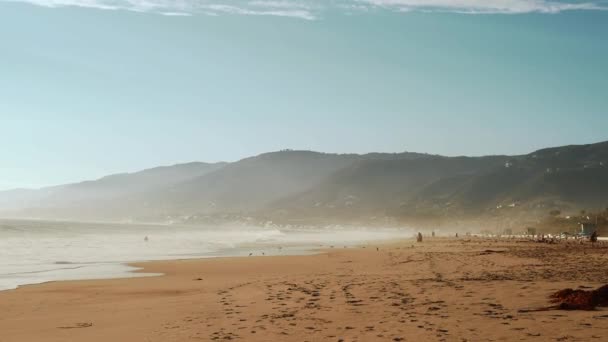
(95, 87)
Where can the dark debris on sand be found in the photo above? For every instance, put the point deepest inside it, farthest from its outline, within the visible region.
(569, 299)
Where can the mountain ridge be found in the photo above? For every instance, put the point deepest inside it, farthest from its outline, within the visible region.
(300, 185)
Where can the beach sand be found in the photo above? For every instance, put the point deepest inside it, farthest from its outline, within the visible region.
(437, 290)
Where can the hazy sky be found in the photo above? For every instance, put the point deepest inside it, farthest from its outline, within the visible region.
(92, 87)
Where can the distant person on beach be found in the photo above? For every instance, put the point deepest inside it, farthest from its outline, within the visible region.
(146, 239)
(456, 234)
(593, 237)
(419, 237)
(433, 233)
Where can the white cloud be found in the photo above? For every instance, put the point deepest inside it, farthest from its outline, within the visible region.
(176, 14)
(268, 11)
(313, 9)
(282, 4)
(487, 6)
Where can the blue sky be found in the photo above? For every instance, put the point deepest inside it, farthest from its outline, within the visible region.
(92, 87)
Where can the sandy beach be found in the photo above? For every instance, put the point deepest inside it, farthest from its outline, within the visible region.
(437, 290)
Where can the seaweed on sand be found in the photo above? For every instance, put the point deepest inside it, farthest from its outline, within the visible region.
(569, 299)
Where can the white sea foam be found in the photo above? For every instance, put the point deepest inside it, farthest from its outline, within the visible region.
(34, 252)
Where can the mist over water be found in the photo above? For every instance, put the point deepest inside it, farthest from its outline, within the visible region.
(33, 252)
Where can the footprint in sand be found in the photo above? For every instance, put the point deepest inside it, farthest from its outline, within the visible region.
(77, 326)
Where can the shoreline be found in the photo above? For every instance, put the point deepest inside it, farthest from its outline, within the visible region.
(138, 268)
(77, 251)
(441, 289)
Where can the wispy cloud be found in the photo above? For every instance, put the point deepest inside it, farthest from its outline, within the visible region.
(268, 10)
(487, 6)
(314, 9)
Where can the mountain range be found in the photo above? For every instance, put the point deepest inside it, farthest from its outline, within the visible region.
(311, 187)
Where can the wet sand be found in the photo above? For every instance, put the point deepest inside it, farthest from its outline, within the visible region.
(437, 290)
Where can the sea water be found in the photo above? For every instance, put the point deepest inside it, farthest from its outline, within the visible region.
(33, 252)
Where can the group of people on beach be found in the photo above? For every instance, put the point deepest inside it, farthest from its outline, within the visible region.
(419, 236)
(593, 238)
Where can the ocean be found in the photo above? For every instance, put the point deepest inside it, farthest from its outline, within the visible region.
(33, 252)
